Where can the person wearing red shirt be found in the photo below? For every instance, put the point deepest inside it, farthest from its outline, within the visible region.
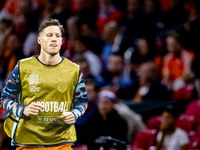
(107, 12)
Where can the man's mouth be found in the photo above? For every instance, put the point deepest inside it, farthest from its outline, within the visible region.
(53, 45)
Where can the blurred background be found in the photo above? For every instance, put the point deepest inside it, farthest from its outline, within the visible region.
(139, 59)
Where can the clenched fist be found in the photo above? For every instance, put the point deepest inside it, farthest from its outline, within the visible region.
(32, 109)
(68, 117)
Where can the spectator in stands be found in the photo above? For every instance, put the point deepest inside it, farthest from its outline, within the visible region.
(10, 56)
(144, 52)
(177, 61)
(82, 125)
(114, 76)
(132, 21)
(27, 8)
(106, 13)
(107, 122)
(78, 5)
(1, 4)
(175, 15)
(87, 29)
(149, 86)
(190, 30)
(85, 67)
(29, 37)
(48, 10)
(71, 33)
(62, 11)
(165, 5)
(6, 26)
(92, 92)
(85, 8)
(134, 120)
(81, 49)
(151, 18)
(115, 41)
(13, 8)
(170, 137)
(185, 88)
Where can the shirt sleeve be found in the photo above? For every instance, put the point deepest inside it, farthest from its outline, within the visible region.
(11, 94)
(80, 101)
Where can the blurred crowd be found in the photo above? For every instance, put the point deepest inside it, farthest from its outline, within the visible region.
(130, 51)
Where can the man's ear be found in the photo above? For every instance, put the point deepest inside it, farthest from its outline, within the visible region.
(39, 40)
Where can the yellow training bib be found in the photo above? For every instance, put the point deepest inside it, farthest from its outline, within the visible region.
(53, 87)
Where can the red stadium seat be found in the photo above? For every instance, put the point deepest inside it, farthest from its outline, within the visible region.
(80, 147)
(194, 109)
(195, 140)
(186, 122)
(183, 93)
(154, 122)
(144, 139)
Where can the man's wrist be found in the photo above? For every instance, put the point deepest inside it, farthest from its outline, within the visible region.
(22, 111)
(75, 116)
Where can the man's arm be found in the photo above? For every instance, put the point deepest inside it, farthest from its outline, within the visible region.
(80, 102)
(11, 92)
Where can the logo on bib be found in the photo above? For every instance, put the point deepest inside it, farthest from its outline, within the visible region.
(33, 79)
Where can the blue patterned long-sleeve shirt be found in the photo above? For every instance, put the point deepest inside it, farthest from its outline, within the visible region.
(13, 89)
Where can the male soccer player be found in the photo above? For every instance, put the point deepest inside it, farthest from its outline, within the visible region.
(44, 96)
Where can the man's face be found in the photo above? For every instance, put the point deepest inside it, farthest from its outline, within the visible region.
(92, 94)
(105, 106)
(167, 121)
(50, 40)
(104, 3)
(143, 47)
(108, 35)
(145, 72)
(85, 30)
(24, 6)
(115, 65)
(3, 27)
(149, 6)
(173, 46)
(21, 26)
(132, 5)
(79, 47)
(13, 42)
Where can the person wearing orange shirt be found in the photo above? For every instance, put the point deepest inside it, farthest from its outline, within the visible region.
(177, 61)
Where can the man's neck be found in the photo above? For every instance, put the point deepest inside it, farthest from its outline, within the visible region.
(49, 59)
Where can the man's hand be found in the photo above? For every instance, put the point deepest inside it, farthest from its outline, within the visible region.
(68, 117)
(32, 109)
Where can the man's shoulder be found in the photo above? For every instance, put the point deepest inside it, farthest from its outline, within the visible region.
(181, 136)
(180, 132)
(25, 59)
(69, 62)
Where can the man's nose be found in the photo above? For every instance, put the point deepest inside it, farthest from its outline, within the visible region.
(54, 39)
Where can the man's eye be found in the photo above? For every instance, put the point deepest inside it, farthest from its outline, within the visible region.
(58, 35)
(48, 35)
